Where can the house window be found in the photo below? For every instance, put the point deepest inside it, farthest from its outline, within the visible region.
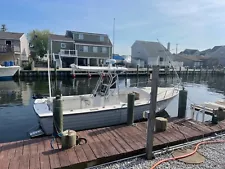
(85, 48)
(63, 45)
(102, 38)
(104, 50)
(95, 49)
(81, 36)
(161, 59)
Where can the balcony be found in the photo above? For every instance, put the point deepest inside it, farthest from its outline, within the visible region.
(68, 53)
(9, 49)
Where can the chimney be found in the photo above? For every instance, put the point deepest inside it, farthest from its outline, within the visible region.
(168, 46)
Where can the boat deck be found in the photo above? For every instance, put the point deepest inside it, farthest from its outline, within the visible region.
(104, 145)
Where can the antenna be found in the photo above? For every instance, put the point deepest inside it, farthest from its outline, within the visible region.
(113, 35)
(176, 48)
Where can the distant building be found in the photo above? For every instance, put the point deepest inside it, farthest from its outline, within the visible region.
(82, 48)
(189, 60)
(149, 53)
(14, 46)
(190, 52)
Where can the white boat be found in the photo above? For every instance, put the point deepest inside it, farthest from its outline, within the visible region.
(104, 107)
(7, 72)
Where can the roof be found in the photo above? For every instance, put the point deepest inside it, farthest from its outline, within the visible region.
(215, 48)
(10, 35)
(189, 51)
(108, 42)
(154, 49)
(60, 37)
(181, 57)
(91, 33)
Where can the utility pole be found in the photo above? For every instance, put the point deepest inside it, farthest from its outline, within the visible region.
(113, 36)
(176, 48)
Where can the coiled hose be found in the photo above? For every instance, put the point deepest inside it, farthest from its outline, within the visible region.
(186, 155)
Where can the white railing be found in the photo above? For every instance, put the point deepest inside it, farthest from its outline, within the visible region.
(68, 53)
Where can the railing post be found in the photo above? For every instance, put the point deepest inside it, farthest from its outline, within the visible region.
(151, 114)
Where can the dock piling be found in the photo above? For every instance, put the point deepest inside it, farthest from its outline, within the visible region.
(182, 104)
(130, 108)
(151, 115)
(137, 73)
(57, 116)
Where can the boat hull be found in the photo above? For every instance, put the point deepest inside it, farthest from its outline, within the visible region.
(103, 118)
(6, 73)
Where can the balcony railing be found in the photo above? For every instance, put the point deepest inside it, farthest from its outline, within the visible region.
(9, 49)
(68, 53)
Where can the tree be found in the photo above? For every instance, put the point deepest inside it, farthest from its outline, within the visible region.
(3, 28)
(38, 40)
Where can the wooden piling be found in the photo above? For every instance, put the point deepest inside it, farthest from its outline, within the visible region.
(137, 73)
(182, 104)
(187, 70)
(151, 114)
(57, 116)
(148, 71)
(130, 108)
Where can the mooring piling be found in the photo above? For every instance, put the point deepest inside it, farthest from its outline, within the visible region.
(151, 114)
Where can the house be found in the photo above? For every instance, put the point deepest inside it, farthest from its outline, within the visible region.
(190, 52)
(216, 57)
(189, 60)
(82, 48)
(149, 53)
(13, 47)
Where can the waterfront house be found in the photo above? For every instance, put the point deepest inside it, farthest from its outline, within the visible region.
(82, 48)
(189, 60)
(13, 47)
(149, 53)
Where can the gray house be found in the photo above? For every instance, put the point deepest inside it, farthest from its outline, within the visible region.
(14, 46)
(149, 53)
(82, 48)
(189, 60)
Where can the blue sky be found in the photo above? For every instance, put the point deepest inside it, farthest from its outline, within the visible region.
(190, 23)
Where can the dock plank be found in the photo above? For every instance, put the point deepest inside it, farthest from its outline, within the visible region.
(80, 154)
(54, 159)
(104, 144)
(35, 161)
(88, 152)
(24, 162)
(63, 158)
(44, 161)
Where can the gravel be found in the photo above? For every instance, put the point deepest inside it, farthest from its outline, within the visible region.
(214, 158)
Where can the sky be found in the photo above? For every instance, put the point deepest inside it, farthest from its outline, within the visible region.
(194, 24)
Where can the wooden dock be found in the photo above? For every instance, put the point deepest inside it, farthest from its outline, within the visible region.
(210, 108)
(104, 145)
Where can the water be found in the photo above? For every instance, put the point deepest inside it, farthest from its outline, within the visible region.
(17, 116)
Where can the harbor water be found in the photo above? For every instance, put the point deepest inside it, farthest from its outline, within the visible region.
(17, 116)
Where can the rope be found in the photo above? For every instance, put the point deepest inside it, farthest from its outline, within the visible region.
(186, 155)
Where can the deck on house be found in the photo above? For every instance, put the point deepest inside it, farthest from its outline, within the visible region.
(104, 145)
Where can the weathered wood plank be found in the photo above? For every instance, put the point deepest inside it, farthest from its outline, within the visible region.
(54, 159)
(88, 152)
(35, 161)
(80, 154)
(44, 161)
(72, 156)
(14, 163)
(24, 162)
(63, 158)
